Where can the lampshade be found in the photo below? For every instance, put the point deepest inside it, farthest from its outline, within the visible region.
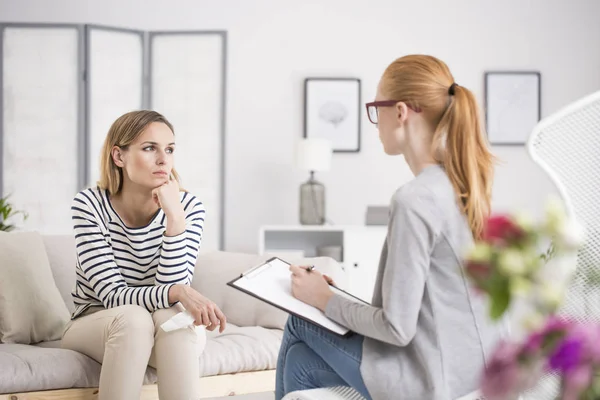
(314, 154)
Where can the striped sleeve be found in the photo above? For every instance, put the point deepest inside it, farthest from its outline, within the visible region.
(179, 253)
(96, 258)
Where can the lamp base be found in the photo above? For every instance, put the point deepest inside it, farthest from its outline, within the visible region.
(312, 202)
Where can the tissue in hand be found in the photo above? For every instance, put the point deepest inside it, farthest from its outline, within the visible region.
(178, 321)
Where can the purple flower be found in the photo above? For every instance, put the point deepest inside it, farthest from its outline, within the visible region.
(568, 354)
(575, 357)
(535, 341)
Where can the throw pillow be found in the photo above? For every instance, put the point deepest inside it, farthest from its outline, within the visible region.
(31, 307)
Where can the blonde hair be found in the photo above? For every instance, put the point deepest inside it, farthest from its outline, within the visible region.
(459, 141)
(124, 131)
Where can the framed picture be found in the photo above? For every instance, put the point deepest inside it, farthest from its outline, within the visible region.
(512, 106)
(332, 111)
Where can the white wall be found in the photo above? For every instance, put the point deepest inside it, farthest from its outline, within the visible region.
(274, 45)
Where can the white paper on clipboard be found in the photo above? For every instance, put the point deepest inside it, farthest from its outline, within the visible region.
(271, 282)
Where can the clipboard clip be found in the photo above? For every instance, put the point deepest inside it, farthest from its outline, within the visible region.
(254, 270)
(260, 268)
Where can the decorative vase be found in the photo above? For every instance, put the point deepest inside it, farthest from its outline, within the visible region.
(312, 202)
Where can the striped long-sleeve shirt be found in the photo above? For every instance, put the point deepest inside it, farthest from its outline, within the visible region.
(118, 265)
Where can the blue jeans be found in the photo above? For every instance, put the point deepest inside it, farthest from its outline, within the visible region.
(311, 357)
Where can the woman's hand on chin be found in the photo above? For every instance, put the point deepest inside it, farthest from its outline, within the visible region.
(166, 196)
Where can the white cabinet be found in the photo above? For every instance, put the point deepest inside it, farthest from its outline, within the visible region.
(360, 249)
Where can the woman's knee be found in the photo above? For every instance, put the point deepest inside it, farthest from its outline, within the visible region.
(164, 314)
(180, 346)
(134, 320)
(297, 360)
(297, 354)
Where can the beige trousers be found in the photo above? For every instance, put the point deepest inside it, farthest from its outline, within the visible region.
(126, 339)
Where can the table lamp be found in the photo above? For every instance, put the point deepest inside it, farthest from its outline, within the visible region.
(313, 155)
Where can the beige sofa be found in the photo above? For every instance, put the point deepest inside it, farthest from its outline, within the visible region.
(240, 360)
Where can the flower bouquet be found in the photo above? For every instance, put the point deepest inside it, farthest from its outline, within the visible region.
(508, 266)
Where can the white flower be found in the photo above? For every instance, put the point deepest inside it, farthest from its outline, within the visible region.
(533, 321)
(512, 262)
(524, 221)
(525, 316)
(559, 269)
(551, 294)
(555, 216)
(571, 235)
(519, 286)
(481, 252)
(532, 259)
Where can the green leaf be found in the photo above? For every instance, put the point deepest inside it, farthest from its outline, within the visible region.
(7, 211)
(499, 299)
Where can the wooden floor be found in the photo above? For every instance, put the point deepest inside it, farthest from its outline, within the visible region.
(212, 386)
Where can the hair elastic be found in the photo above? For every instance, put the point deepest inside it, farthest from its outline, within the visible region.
(451, 89)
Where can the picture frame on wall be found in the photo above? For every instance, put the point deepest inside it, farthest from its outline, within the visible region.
(512, 106)
(332, 111)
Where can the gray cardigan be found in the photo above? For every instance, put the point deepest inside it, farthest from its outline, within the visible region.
(427, 335)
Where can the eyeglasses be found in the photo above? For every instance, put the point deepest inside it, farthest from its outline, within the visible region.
(374, 114)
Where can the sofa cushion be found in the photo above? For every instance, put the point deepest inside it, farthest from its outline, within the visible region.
(30, 368)
(46, 366)
(31, 307)
(62, 258)
(240, 349)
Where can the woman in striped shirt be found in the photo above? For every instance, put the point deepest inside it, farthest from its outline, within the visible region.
(137, 240)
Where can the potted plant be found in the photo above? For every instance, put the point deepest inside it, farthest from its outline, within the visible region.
(7, 212)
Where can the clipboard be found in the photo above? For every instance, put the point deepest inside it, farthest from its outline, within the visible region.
(270, 282)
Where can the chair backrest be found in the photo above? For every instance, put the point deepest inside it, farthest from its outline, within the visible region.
(567, 146)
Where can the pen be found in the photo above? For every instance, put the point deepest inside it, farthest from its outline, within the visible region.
(310, 268)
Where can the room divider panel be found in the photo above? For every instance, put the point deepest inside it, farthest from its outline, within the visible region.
(41, 126)
(114, 84)
(61, 87)
(186, 83)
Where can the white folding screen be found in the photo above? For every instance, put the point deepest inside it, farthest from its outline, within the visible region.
(115, 80)
(62, 86)
(187, 85)
(40, 88)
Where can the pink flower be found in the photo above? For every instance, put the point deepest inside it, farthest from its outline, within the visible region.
(508, 374)
(533, 344)
(576, 381)
(479, 271)
(501, 377)
(501, 230)
(592, 342)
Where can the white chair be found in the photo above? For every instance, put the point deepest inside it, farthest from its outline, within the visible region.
(567, 146)
(346, 393)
